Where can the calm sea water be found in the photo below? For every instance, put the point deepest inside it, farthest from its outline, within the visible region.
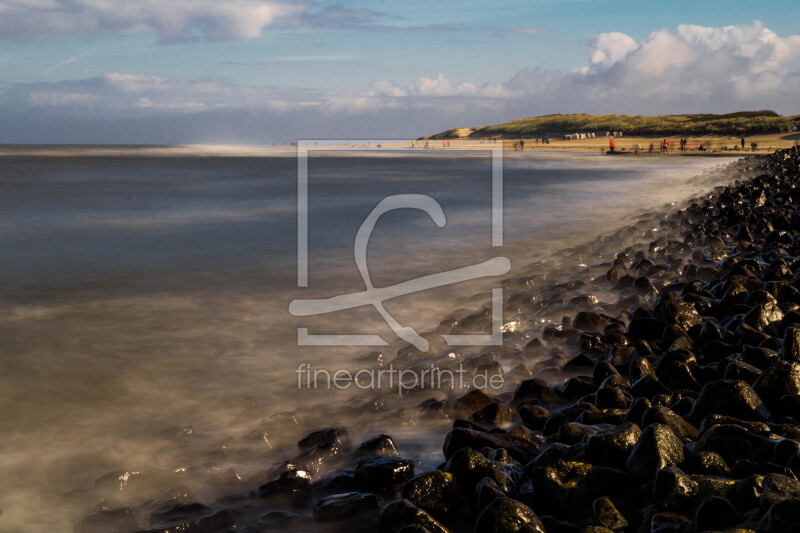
(143, 300)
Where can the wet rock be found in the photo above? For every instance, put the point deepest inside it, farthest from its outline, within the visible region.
(606, 515)
(337, 436)
(286, 491)
(560, 486)
(716, 513)
(437, 493)
(505, 515)
(782, 378)
(777, 488)
(648, 386)
(668, 523)
(533, 416)
(486, 491)
(119, 520)
(588, 321)
(335, 484)
(657, 448)
(673, 488)
(732, 398)
(358, 507)
(383, 474)
(762, 316)
(494, 414)
(611, 398)
(520, 449)
(666, 416)
(782, 517)
(401, 513)
(468, 466)
(471, 402)
(790, 350)
(733, 442)
(380, 446)
(706, 463)
(612, 447)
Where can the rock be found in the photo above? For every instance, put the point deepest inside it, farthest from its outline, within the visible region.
(505, 515)
(535, 389)
(782, 378)
(285, 521)
(657, 448)
(762, 316)
(468, 466)
(790, 351)
(289, 490)
(402, 513)
(487, 490)
(648, 386)
(380, 446)
(533, 416)
(782, 517)
(335, 484)
(668, 523)
(352, 506)
(777, 488)
(495, 414)
(471, 402)
(520, 449)
(611, 398)
(120, 520)
(706, 463)
(716, 513)
(606, 515)
(437, 493)
(612, 447)
(588, 321)
(666, 416)
(732, 398)
(560, 486)
(733, 442)
(383, 474)
(673, 488)
(326, 436)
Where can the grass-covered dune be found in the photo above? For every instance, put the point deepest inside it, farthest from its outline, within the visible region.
(741, 123)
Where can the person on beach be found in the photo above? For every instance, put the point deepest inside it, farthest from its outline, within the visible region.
(522, 145)
(742, 143)
(650, 151)
(611, 146)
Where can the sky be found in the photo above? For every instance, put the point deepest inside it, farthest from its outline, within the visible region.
(270, 71)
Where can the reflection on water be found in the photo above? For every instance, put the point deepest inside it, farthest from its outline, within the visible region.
(144, 331)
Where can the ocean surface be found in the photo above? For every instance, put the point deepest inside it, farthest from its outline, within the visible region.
(145, 340)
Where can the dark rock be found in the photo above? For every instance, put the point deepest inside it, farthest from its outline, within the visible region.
(668, 523)
(487, 490)
(383, 474)
(535, 389)
(289, 490)
(402, 513)
(732, 398)
(782, 517)
(437, 493)
(706, 463)
(120, 520)
(495, 414)
(380, 446)
(648, 386)
(350, 506)
(673, 488)
(468, 466)
(791, 345)
(334, 484)
(657, 447)
(326, 436)
(761, 316)
(533, 416)
(520, 449)
(588, 321)
(560, 486)
(733, 442)
(505, 515)
(716, 513)
(666, 416)
(780, 379)
(471, 402)
(777, 488)
(612, 447)
(611, 398)
(606, 515)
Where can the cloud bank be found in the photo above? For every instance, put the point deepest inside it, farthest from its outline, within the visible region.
(686, 69)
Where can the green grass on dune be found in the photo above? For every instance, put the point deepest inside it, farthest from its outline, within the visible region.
(741, 123)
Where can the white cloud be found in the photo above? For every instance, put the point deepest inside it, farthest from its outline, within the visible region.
(172, 19)
(688, 69)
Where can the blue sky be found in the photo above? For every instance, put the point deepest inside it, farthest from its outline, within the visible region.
(204, 71)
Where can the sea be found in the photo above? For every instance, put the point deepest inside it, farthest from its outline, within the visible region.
(146, 343)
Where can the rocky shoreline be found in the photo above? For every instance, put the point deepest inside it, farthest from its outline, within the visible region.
(677, 408)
